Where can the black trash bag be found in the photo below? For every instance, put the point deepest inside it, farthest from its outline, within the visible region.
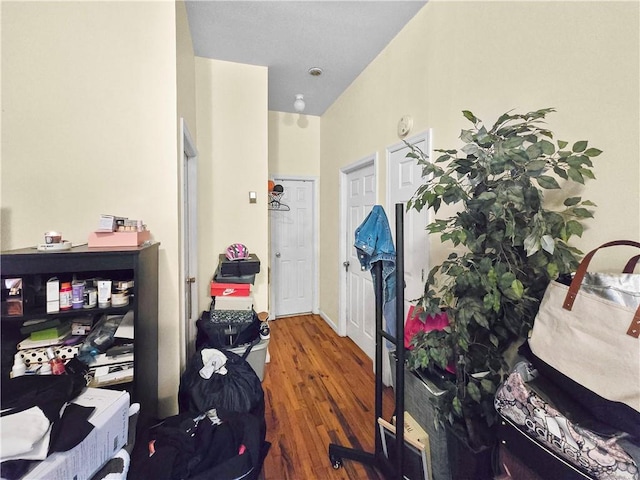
(214, 445)
(240, 390)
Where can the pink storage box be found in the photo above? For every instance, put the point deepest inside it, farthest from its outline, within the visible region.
(230, 289)
(118, 239)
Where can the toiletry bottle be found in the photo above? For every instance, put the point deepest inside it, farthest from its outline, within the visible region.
(57, 365)
(19, 368)
(65, 296)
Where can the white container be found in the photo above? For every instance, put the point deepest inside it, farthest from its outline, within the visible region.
(257, 356)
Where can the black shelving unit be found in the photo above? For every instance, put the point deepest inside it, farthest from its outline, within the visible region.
(122, 263)
(377, 459)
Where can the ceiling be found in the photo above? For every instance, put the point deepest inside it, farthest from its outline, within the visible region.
(290, 37)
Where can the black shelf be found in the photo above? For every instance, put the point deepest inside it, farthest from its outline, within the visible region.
(40, 312)
(139, 264)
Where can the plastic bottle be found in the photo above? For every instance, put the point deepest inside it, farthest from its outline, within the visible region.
(65, 296)
(19, 368)
(57, 365)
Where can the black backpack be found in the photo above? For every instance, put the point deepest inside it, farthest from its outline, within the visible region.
(227, 328)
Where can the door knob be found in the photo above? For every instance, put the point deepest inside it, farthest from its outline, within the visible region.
(346, 264)
(278, 255)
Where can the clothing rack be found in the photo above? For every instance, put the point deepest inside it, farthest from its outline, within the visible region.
(377, 459)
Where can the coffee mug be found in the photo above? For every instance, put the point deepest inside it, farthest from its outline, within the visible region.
(52, 237)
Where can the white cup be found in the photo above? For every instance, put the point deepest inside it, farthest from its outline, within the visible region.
(52, 237)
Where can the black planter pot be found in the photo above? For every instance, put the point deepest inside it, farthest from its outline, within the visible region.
(466, 463)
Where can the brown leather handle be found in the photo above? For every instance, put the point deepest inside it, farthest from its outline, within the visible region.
(634, 328)
(631, 264)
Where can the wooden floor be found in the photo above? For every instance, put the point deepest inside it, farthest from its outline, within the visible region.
(319, 389)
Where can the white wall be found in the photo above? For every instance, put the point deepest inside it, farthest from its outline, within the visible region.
(294, 144)
(232, 160)
(491, 57)
(89, 127)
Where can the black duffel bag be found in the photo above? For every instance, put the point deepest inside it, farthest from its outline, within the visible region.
(224, 329)
(217, 445)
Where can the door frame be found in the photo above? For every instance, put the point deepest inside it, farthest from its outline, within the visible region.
(341, 326)
(188, 156)
(315, 225)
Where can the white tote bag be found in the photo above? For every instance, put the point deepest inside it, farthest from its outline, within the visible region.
(590, 330)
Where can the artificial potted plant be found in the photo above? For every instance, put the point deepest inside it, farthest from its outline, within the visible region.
(511, 240)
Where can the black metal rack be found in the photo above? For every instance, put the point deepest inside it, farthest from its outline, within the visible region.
(377, 459)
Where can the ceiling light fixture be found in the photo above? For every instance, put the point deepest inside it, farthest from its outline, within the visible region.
(299, 104)
(315, 71)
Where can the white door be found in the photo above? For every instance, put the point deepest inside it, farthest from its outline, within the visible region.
(189, 244)
(360, 298)
(292, 248)
(404, 178)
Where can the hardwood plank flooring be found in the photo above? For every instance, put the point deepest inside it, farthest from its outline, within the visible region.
(319, 389)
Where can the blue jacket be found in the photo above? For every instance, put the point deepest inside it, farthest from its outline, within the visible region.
(373, 242)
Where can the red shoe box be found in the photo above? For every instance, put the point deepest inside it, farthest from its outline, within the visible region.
(230, 289)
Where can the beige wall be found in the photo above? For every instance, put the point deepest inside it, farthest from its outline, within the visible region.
(185, 70)
(232, 160)
(89, 127)
(294, 144)
(492, 57)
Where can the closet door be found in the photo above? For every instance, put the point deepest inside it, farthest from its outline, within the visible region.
(292, 249)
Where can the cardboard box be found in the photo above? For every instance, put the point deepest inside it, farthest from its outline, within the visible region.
(111, 422)
(237, 268)
(233, 303)
(118, 239)
(230, 289)
(53, 295)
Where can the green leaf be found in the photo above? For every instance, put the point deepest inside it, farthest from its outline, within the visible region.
(469, 116)
(536, 165)
(474, 392)
(547, 182)
(552, 270)
(487, 196)
(574, 227)
(513, 142)
(575, 175)
(560, 172)
(518, 288)
(592, 152)
(488, 386)
(571, 201)
(547, 147)
(582, 213)
(547, 243)
(579, 146)
(457, 406)
(587, 173)
(531, 244)
(562, 144)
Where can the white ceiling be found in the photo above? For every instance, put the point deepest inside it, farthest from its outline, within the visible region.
(290, 37)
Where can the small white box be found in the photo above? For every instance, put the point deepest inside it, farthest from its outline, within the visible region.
(234, 303)
(111, 425)
(53, 295)
(257, 356)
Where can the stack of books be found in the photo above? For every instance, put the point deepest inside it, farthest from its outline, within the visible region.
(113, 366)
(44, 332)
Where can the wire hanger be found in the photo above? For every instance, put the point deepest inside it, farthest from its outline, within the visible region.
(275, 203)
